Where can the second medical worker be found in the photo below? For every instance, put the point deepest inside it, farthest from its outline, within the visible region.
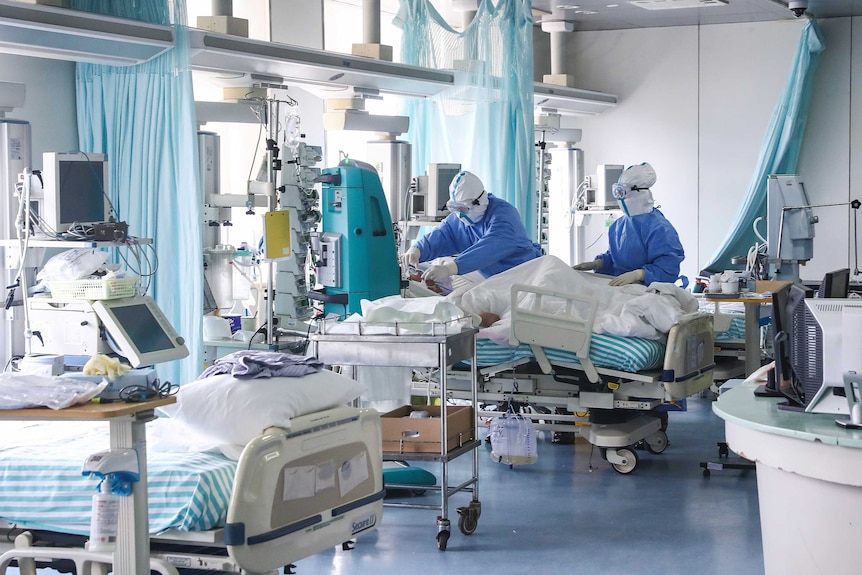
(482, 232)
(643, 245)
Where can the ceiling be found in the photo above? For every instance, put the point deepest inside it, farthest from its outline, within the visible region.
(621, 14)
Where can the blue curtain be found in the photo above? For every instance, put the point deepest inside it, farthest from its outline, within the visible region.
(484, 122)
(142, 117)
(779, 152)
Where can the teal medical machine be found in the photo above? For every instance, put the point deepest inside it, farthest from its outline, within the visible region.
(355, 249)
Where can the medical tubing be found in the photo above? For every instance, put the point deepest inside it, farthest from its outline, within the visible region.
(22, 230)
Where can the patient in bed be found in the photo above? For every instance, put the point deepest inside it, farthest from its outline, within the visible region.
(631, 310)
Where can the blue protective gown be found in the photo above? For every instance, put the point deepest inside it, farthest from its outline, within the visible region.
(647, 241)
(493, 245)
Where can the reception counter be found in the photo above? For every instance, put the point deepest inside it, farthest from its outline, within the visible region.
(809, 482)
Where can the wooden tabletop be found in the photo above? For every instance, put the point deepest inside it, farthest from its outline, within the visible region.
(87, 410)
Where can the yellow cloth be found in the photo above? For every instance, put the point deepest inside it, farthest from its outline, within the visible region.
(101, 364)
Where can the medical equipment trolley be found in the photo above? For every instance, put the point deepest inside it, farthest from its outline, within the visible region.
(437, 347)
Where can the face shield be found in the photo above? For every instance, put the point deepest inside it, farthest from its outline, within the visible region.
(468, 199)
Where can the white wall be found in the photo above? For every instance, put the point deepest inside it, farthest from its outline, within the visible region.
(49, 103)
(695, 102)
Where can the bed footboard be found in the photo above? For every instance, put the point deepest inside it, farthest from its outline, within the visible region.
(300, 491)
(548, 318)
(689, 361)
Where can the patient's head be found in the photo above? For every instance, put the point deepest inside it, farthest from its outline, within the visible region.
(488, 319)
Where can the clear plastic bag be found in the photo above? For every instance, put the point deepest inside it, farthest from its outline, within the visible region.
(513, 440)
(22, 390)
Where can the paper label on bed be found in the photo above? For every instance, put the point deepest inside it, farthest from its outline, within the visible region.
(352, 473)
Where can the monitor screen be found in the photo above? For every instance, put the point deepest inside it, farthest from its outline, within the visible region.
(75, 189)
(141, 332)
(835, 284)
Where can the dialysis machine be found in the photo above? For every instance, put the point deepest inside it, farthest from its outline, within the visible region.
(355, 247)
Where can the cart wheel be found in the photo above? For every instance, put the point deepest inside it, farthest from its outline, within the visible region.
(442, 540)
(706, 472)
(630, 461)
(468, 520)
(657, 442)
(722, 449)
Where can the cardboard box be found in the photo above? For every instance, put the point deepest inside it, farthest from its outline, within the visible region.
(405, 434)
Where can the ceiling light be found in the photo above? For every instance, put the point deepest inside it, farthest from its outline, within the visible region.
(676, 4)
(567, 6)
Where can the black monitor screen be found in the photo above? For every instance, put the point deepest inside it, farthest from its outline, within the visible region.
(82, 192)
(835, 284)
(142, 328)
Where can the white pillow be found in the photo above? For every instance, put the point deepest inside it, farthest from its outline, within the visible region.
(232, 410)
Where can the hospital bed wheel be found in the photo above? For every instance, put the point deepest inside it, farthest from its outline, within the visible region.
(442, 540)
(657, 442)
(629, 463)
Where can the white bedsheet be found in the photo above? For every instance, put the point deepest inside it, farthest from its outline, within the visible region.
(633, 310)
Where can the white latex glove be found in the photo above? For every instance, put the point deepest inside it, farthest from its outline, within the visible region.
(410, 258)
(587, 266)
(631, 277)
(440, 271)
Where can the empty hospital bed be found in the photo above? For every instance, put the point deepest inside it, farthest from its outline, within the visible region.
(292, 492)
(613, 386)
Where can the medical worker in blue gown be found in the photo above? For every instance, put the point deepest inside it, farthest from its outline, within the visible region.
(643, 245)
(482, 233)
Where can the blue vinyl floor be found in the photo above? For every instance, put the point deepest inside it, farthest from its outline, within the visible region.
(562, 516)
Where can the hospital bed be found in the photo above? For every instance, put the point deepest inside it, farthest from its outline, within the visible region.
(612, 386)
(292, 493)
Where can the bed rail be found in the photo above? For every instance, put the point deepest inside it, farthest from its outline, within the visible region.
(688, 360)
(554, 319)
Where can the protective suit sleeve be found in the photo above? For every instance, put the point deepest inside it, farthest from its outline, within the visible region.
(444, 240)
(664, 253)
(495, 244)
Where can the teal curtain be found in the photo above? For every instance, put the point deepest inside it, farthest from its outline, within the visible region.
(142, 117)
(779, 152)
(484, 122)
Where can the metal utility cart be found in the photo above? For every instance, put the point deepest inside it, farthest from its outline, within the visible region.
(438, 347)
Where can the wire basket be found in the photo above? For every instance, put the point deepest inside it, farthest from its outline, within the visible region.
(109, 288)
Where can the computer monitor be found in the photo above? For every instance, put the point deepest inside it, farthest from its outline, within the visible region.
(783, 306)
(817, 344)
(76, 190)
(835, 284)
(140, 331)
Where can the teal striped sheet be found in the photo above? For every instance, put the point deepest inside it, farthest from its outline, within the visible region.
(735, 331)
(43, 488)
(628, 354)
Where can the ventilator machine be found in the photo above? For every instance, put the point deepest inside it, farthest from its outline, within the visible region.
(355, 247)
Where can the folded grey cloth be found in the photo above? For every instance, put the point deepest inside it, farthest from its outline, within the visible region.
(250, 364)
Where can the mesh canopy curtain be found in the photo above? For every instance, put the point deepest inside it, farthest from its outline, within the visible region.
(142, 118)
(779, 153)
(485, 121)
